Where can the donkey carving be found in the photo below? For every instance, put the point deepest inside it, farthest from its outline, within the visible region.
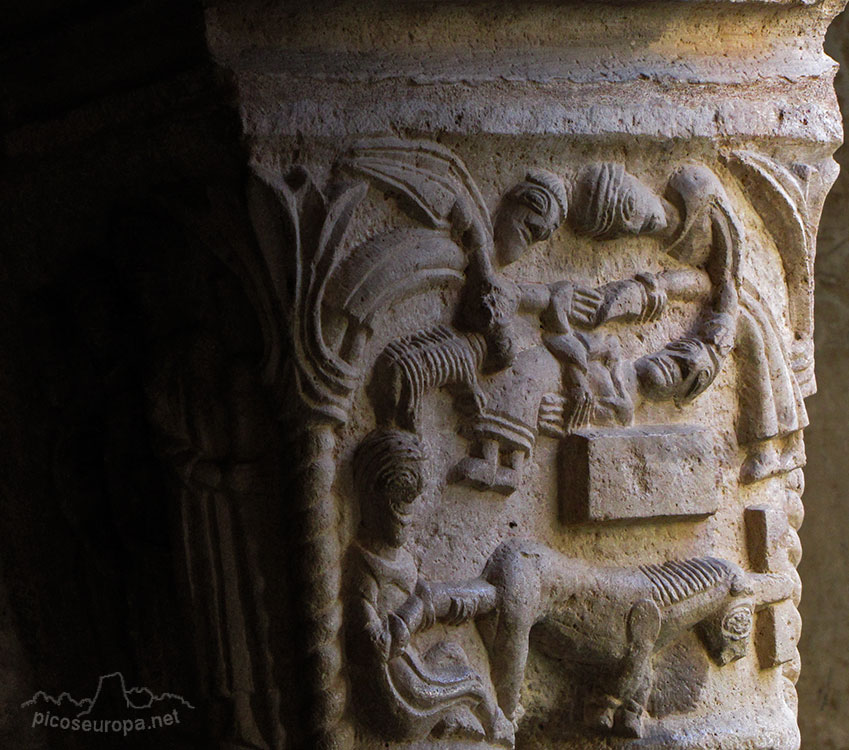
(611, 621)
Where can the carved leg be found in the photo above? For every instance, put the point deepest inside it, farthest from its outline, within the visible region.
(516, 577)
(478, 471)
(636, 678)
(508, 478)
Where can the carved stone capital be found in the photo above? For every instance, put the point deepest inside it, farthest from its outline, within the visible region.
(535, 288)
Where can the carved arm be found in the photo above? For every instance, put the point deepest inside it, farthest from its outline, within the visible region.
(456, 603)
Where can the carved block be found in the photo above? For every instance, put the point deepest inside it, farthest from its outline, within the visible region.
(776, 634)
(637, 472)
(767, 531)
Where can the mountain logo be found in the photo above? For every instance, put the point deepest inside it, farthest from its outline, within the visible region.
(112, 708)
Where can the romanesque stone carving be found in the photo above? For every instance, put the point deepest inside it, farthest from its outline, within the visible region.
(611, 621)
(596, 386)
(609, 374)
(406, 694)
(772, 412)
(217, 463)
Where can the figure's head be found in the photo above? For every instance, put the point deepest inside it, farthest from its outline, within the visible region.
(529, 212)
(388, 474)
(679, 372)
(608, 202)
(726, 633)
(697, 195)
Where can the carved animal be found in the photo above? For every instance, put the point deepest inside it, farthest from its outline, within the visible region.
(410, 367)
(608, 622)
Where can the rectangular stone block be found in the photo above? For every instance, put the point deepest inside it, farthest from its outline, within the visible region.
(776, 634)
(657, 471)
(766, 531)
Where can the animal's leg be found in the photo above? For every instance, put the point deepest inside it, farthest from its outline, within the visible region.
(509, 658)
(636, 677)
(600, 710)
(477, 471)
(514, 572)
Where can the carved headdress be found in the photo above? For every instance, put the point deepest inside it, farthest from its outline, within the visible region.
(596, 198)
(609, 202)
(389, 462)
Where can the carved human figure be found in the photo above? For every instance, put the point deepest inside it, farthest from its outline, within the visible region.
(708, 240)
(772, 408)
(588, 379)
(772, 411)
(607, 622)
(403, 694)
(586, 369)
(577, 375)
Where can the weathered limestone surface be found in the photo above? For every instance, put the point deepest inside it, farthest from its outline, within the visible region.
(487, 236)
(413, 375)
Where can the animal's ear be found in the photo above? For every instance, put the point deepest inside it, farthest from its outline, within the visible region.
(741, 585)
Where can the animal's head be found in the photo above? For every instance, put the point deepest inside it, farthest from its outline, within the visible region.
(725, 634)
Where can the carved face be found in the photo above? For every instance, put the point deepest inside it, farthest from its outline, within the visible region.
(388, 470)
(609, 202)
(679, 372)
(395, 502)
(528, 214)
(726, 634)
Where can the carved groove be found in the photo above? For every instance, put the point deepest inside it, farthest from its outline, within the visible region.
(429, 359)
(674, 581)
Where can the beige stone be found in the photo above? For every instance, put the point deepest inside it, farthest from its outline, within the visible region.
(519, 267)
(655, 472)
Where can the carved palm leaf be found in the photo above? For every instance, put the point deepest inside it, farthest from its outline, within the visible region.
(429, 178)
(301, 234)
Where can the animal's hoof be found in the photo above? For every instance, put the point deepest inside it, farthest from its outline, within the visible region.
(628, 723)
(599, 713)
(477, 473)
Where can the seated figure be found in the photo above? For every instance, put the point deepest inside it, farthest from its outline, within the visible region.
(404, 694)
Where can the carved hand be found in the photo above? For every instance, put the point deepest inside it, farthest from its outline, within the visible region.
(399, 635)
(425, 595)
(622, 299)
(467, 229)
(719, 331)
(460, 610)
(472, 400)
(578, 409)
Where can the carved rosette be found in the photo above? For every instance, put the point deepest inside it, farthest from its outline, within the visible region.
(538, 332)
